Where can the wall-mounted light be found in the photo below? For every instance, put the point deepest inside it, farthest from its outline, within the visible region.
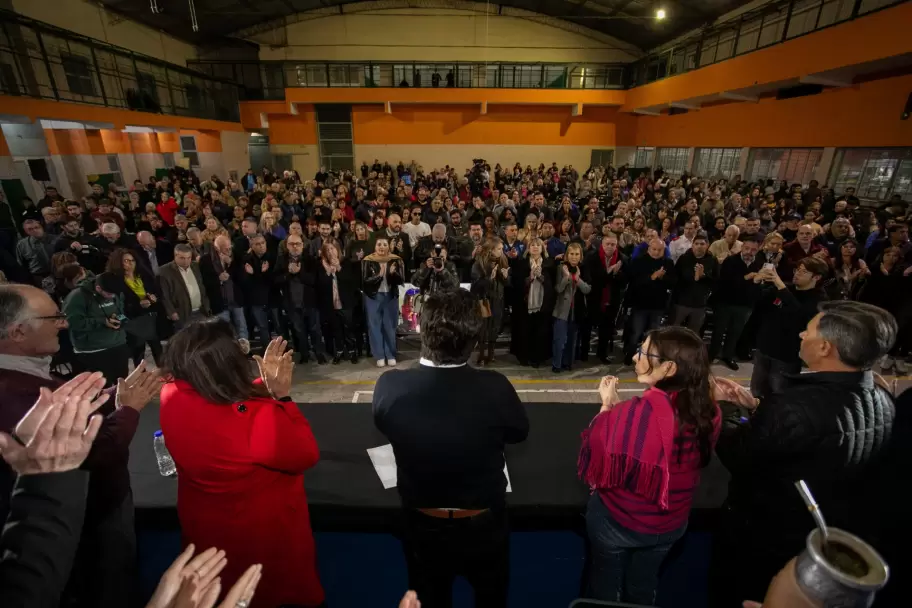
(660, 14)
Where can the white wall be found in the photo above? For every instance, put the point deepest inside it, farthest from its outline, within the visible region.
(235, 156)
(417, 34)
(90, 19)
(25, 141)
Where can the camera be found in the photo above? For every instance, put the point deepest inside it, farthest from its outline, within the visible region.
(438, 261)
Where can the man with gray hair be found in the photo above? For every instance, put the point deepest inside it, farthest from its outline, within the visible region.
(830, 427)
(111, 238)
(34, 250)
(183, 290)
(104, 570)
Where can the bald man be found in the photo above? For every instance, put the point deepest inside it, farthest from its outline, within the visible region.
(438, 236)
(651, 277)
(152, 252)
(220, 269)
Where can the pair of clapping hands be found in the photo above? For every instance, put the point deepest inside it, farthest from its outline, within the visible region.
(724, 389)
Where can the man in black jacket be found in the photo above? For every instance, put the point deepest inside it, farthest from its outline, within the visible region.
(696, 273)
(831, 428)
(651, 276)
(257, 277)
(222, 279)
(737, 292)
(784, 314)
(608, 271)
(455, 508)
(296, 276)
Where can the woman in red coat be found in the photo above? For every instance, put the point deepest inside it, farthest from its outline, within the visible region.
(241, 447)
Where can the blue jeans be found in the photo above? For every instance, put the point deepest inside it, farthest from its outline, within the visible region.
(563, 343)
(382, 318)
(624, 565)
(235, 316)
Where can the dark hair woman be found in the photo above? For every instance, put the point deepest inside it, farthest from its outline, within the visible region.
(241, 447)
(642, 457)
(532, 277)
(356, 249)
(337, 292)
(849, 270)
(140, 293)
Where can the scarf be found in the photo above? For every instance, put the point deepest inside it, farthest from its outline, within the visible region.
(376, 257)
(331, 270)
(630, 447)
(536, 289)
(606, 290)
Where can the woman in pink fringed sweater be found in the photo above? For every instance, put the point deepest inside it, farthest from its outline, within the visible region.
(642, 459)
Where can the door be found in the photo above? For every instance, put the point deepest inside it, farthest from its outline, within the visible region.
(602, 158)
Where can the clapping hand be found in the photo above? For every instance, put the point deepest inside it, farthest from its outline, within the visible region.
(56, 434)
(698, 272)
(725, 389)
(608, 392)
(264, 266)
(410, 600)
(276, 367)
(195, 583)
(658, 274)
(248, 268)
(139, 388)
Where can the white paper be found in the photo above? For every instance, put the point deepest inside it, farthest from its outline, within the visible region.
(384, 461)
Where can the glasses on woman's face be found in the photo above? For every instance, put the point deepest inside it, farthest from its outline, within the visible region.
(642, 353)
(129, 261)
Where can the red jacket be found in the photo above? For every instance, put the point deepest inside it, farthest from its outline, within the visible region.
(167, 210)
(240, 487)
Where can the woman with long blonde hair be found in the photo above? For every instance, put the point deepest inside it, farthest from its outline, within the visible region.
(572, 285)
(489, 279)
(530, 229)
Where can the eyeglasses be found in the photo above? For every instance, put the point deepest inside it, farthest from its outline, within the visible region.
(643, 353)
(59, 317)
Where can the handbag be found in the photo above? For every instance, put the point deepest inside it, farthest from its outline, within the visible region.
(142, 327)
(484, 307)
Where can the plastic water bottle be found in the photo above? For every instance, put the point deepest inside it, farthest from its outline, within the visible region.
(165, 463)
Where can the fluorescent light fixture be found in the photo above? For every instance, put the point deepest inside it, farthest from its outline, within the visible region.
(660, 14)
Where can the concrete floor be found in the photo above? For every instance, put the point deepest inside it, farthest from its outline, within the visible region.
(348, 383)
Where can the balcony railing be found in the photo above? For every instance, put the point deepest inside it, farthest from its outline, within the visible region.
(765, 26)
(269, 79)
(40, 60)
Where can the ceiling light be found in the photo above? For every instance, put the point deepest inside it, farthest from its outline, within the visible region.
(660, 14)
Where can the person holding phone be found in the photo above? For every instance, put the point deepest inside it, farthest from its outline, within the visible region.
(95, 314)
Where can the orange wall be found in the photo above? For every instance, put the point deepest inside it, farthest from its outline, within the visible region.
(74, 141)
(860, 116)
(871, 38)
(145, 143)
(288, 129)
(206, 141)
(115, 142)
(503, 124)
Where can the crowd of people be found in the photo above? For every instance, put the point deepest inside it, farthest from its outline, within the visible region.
(560, 261)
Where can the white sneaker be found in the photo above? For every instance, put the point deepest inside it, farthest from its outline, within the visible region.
(245, 345)
(886, 362)
(381, 363)
(391, 362)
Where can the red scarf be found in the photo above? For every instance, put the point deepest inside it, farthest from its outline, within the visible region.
(630, 447)
(606, 291)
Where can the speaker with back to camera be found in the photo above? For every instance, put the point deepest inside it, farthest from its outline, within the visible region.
(39, 169)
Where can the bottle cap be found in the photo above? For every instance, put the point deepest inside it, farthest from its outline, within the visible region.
(157, 433)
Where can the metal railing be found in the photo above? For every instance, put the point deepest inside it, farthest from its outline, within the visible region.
(767, 25)
(261, 80)
(40, 60)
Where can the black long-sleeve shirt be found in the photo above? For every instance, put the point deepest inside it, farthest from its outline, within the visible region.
(40, 538)
(448, 428)
(785, 314)
(689, 291)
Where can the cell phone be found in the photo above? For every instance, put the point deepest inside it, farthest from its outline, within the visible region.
(769, 266)
(120, 318)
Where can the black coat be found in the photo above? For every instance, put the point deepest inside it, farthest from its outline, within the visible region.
(617, 281)
(688, 291)
(520, 280)
(213, 284)
(371, 277)
(348, 284)
(732, 288)
(831, 429)
(644, 292)
(132, 306)
(298, 289)
(259, 288)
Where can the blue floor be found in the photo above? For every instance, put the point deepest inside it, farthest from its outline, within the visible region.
(368, 570)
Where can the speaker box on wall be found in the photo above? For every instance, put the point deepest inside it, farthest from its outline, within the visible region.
(39, 169)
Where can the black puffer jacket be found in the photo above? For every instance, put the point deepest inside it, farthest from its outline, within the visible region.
(831, 429)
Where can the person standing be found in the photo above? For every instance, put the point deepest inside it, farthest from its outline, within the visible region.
(736, 294)
(95, 315)
(336, 294)
(34, 250)
(783, 316)
(533, 280)
(455, 509)
(183, 291)
(105, 567)
(696, 272)
(571, 286)
(296, 276)
(831, 428)
(221, 280)
(257, 279)
(140, 300)
(381, 276)
(651, 276)
(608, 270)
(642, 457)
(490, 274)
(241, 447)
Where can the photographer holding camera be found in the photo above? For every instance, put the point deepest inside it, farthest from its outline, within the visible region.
(437, 273)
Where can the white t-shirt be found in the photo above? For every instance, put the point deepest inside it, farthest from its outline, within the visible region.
(415, 232)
